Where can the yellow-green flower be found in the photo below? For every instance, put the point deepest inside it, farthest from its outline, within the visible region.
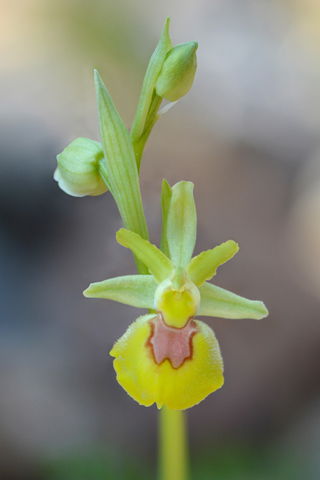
(168, 357)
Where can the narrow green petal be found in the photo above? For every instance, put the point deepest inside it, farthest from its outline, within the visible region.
(135, 290)
(155, 65)
(217, 302)
(157, 262)
(166, 194)
(120, 162)
(204, 266)
(182, 224)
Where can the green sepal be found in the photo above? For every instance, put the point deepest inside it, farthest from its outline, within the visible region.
(158, 263)
(182, 224)
(217, 302)
(120, 162)
(166, 194)
(135, 290)
(204, 266)
(154, 68)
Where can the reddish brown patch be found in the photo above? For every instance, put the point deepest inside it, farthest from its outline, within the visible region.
(170, 343)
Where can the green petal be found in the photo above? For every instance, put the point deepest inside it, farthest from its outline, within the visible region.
(204, 266)
(182, 224)
(154, 68)
(157, 262)
(121, 165)
(135, 290)
(217, 302)
(166, 194)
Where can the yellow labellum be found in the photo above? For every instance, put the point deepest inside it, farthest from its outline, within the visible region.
(177, 388)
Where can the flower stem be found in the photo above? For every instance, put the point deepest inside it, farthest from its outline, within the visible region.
(152, 117)
(173, 448)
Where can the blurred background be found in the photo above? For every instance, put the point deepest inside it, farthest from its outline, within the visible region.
(247, 135)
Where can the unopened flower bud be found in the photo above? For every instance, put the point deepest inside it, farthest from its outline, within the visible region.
(78, 168)
(178, 71)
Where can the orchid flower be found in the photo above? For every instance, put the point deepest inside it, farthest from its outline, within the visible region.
(167, 356)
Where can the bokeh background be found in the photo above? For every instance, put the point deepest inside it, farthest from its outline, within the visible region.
(247, 135)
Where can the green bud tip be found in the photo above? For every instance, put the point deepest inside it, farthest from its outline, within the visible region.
(178, 71)
(77, 173)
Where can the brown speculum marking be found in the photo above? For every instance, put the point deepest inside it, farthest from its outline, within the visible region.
(174, 344)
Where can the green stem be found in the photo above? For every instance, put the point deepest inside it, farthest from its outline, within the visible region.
(139, 144)
(153, 109)
(173, 448)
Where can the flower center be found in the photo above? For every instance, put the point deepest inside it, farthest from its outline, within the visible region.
(169, 343)
(177, 301)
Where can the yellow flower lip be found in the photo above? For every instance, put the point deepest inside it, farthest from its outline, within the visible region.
(149, 382)
(178, 299)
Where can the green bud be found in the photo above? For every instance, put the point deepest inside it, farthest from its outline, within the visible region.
(78, 168)
(178, 71)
